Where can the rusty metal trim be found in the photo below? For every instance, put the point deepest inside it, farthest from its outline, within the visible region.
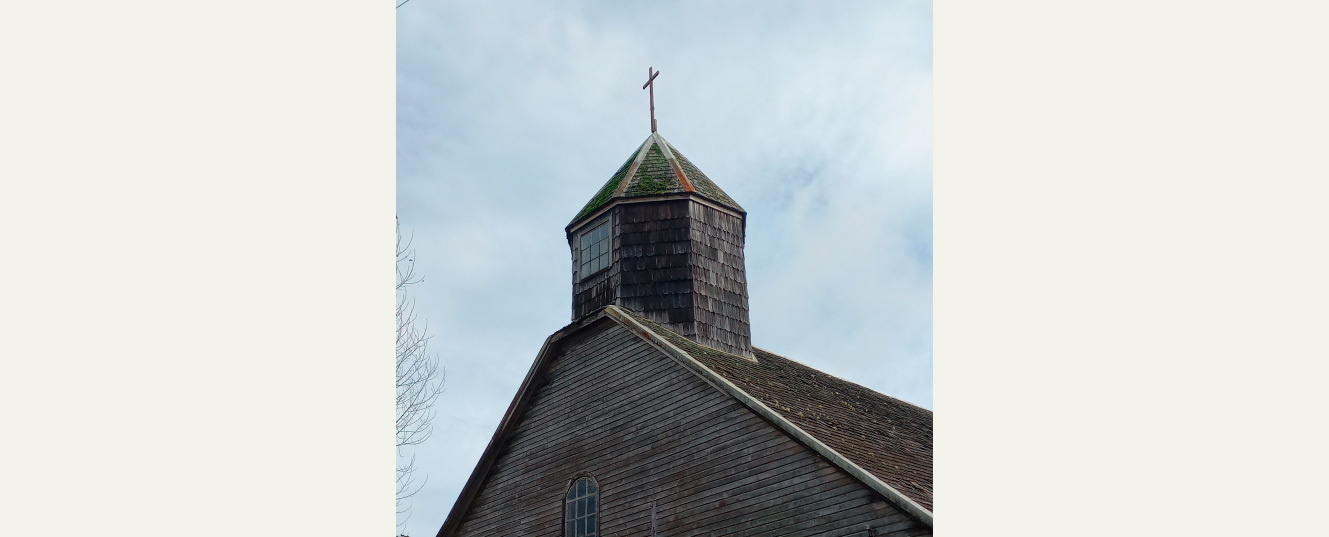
(641, 155)
(678, 170)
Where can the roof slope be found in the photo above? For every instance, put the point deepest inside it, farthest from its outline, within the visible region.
(888, 437)
(703, 184)
(655, 169)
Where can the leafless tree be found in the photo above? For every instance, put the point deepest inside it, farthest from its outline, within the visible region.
(419, 378)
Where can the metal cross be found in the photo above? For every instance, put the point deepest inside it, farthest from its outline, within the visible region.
(650, 82)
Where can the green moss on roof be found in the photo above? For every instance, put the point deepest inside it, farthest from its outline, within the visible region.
(702, 184)
(656, 176)
(608, 189)
(650, 185)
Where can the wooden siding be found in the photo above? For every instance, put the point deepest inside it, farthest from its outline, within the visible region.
(600, 290)
(719, 280)
(653, 241)
(613, 407)
(679, 262)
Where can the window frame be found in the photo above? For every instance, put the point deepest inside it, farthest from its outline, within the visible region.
(564, 503)
(583, 247)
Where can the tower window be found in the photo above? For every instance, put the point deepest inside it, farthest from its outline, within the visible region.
(594, 249)
(579, 508)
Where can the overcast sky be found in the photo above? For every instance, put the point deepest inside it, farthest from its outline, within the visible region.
(815, 117)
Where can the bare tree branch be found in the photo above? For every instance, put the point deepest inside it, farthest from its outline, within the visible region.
(419, 377)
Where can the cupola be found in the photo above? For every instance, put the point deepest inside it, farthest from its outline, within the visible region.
(660, 238)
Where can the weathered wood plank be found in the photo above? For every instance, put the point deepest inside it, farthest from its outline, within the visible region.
(650, 431)
(679, 262)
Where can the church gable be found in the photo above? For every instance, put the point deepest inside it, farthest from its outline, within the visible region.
(666, 449)
(653, 413)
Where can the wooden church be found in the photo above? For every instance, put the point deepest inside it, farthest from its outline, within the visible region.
(652, 414)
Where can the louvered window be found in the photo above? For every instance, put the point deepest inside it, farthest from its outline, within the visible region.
(594, 250)
(579, 509)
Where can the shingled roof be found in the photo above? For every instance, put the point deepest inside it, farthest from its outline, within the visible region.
(888, 437)
(656, 168)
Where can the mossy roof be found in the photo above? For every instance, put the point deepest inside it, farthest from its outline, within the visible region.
(654, 170)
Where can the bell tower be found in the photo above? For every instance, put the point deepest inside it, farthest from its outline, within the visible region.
(661, 239)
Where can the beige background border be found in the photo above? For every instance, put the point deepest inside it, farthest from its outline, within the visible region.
(1130, 268)
(197, 215)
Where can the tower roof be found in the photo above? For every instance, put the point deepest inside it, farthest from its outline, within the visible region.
(656, 168)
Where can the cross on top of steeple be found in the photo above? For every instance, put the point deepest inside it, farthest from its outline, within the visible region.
(651, 73)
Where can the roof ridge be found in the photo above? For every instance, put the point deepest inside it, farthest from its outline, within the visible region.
(639, 325)
(708, 188)
(669, 156)
(636, 163)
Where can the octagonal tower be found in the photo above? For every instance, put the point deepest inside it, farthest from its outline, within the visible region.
(663, 240)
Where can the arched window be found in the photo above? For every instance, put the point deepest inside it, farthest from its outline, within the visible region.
(579, 509)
